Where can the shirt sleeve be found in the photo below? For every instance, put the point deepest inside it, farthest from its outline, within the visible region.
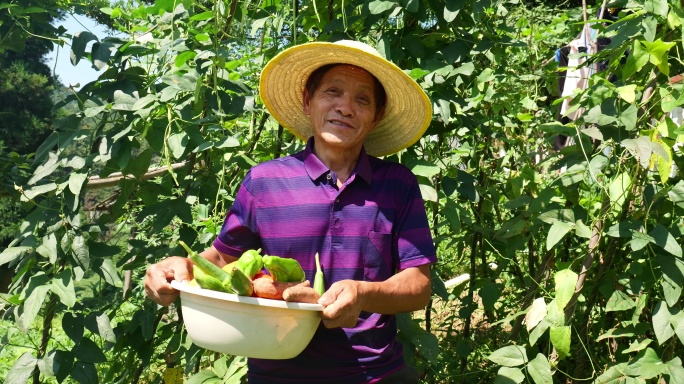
(414, 244)
(240, 229)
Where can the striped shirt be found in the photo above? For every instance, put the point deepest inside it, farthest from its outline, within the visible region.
(372, 226)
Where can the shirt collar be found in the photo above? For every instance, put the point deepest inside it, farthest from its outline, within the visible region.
(315, 167)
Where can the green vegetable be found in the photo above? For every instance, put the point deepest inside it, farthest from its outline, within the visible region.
(283, 269)
(319, 281)
(240, 283)
(207, 281)
(250, 263)
(210, 276)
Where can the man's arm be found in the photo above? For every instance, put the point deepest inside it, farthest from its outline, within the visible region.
(409, 290)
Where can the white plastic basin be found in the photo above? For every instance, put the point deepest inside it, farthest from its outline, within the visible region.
(247, 326)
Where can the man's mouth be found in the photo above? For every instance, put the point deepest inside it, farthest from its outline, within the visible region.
(340, 123)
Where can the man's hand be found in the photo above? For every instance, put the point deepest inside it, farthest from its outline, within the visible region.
(342, 304)
(160, 274)
(408, 290)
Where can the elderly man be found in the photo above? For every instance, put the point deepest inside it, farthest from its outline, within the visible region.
(364, 216)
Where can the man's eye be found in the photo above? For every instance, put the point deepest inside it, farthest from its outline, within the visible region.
(332, 91)
(363, 101)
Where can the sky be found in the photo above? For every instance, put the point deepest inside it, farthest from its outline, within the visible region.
(84, 72)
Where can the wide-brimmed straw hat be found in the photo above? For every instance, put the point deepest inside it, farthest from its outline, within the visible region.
(408, 111)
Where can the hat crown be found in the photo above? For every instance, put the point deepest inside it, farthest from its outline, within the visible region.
(359, 45)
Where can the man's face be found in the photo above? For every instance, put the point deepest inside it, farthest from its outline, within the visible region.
(342, 108)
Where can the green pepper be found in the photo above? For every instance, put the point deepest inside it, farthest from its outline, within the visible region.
(319, 281)
(250, 263)
(283, 269)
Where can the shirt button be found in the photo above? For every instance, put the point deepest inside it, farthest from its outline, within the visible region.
(329, 177)
(337, 200)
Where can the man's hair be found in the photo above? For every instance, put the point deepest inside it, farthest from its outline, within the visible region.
(316, 76)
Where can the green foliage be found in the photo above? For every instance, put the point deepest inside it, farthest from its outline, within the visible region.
(586, 241)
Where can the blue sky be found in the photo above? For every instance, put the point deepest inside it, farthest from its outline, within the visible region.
(82, 73)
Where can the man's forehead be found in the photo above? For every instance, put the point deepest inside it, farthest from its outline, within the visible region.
(334, 73)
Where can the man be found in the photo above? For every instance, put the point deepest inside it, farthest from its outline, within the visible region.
(364, 216)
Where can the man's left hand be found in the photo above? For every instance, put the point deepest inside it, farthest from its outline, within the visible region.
(342, 304)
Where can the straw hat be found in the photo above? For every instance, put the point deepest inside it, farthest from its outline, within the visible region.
(408, 111)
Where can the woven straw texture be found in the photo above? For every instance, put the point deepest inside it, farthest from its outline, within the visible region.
(407, 114)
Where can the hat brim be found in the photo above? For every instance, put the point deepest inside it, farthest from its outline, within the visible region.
(408, 111)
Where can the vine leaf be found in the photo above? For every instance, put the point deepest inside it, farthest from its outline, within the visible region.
(619, 301)
(508, 375)
(646, 365)
(540, 370)
(565, 280)
(509, 356)
(637, 346)
(536, 313)
(661, 323)
(63, 286)
(557, 231)
(87, 351)
(12, 253)
(664, 239)
(675, 370)
(560, 338)
(22, 369)
(618, 189)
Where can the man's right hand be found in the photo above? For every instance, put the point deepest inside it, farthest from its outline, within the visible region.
(159, 276)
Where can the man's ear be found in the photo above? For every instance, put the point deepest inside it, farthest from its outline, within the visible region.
(306, 106)
(379, 116)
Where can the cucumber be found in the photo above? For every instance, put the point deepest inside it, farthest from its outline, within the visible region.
(205, 265)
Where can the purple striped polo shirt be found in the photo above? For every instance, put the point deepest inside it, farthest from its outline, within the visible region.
(372, 226)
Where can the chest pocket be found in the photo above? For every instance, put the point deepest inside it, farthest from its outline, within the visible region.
(377, 259)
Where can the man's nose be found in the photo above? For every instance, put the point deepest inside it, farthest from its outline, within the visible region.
(344, 105)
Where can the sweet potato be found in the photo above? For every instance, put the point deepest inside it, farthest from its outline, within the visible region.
(267, 288)
(301, 294)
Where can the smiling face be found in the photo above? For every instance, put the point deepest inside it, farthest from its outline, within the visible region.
(342, 109)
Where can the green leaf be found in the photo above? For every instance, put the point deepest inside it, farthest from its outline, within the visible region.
(673, 278)
(490, 293)
(509, 356)
(637, 346)
(32, 305)
(109, 273)
(635, 61)
(646, 365)
(202, 16)
(104, 328)
(676, 194)
(423, 168)
(535, 314)
(560, 338)
(619, 301)
(557, 231)
(664, 239)
(657, 52)
(177, 143)
(76, 182)
(675, 370)
(540, 370)
(78, 45)
(48, 248)
(627, 93)
(593, 132)
(183, 58)
(550, 217)
(12, 253)
(657, 7)
(661, 323)
(427, 345)
(73, 327)
(565, 280)
(63, 286)
(22, 369)
(615, 333)
(507, 375)
(88, 352)
(618, 190)
(202, 377)
(639, 240)
(84, 373)
(379, 6)
(613, 375)
(80, 252)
